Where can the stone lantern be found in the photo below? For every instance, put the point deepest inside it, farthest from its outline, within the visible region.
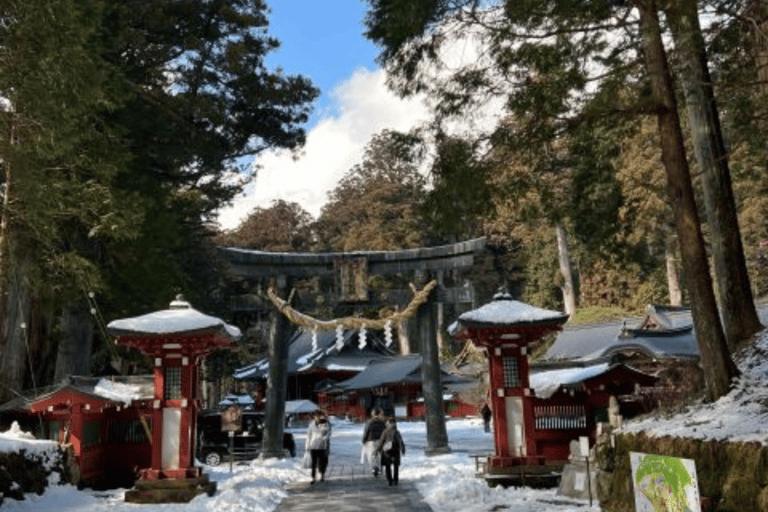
(506, 329)
(177, 339)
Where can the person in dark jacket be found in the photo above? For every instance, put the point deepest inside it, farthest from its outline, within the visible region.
(390, 446)
(371, 435)
(486, 412)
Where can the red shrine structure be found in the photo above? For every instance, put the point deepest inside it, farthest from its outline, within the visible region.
(177, 340)
(505, 329)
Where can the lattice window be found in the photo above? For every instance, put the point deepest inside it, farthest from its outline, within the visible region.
(172, 383)
(129, 431)
(560, 417)
(511, 372)
(91, 434)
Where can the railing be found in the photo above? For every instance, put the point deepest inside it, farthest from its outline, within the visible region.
(559, 417)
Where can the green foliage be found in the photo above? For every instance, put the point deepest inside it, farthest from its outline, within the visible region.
(375, 205)
(123, 127)
(460, 196)
(283, 227)
(59, 155)
(598, 314)
(202, 96)
(557, 155)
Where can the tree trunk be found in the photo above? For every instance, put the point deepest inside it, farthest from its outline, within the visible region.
(716, 361)
(563, 256)
(277, 384)
(431, 384)
(15, 303)
(673, 276)
(76, 343)
(737, 305)
(757, 17)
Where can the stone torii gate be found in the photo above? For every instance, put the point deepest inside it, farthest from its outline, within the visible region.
(350, 273)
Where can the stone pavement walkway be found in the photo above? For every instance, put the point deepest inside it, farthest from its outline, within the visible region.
(348, 489)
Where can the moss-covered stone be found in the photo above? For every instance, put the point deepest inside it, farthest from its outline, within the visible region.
(761, 468)
(739, 495)
(762, 499)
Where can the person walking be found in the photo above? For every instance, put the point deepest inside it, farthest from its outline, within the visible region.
(486, 412)
(390, 446)
(318, 444)
(371, 434)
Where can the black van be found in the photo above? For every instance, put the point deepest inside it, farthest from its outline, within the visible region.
(213, 443)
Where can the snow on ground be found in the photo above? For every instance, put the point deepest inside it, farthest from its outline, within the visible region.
(446, 482)
(741, 415)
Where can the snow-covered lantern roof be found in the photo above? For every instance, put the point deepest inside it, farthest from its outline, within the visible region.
(245, 401)
(179, 328)
(508, 320)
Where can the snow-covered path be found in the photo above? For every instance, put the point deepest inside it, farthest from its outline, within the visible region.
(446, 482)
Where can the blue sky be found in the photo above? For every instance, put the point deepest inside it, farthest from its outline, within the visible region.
(323, 41)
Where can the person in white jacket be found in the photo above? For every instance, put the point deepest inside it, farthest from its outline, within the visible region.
(319, 444)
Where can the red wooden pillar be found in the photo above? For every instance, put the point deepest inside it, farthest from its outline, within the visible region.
(76, 429)
(157, 417)
(188, 412)
(496, 377)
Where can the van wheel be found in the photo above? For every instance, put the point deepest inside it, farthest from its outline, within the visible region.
(213, 458)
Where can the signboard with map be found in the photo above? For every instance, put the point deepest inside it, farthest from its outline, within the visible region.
(664, 483)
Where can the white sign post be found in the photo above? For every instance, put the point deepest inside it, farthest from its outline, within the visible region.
(584, 450)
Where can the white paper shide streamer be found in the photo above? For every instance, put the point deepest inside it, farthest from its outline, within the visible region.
(388, 333)
(339, 337)
(363, 341)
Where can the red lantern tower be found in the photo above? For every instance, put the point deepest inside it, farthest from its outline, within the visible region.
(177, 339)
(506, 329)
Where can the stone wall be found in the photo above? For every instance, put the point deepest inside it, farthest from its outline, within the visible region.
(733, 477)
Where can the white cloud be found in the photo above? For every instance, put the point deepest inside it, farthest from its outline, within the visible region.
(333, 146)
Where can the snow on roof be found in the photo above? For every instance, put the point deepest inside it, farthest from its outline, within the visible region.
(546, 383)
(505, 311)
(119, 392)
(179, 318)
(300, 406)
(345, 367)
(379, 373)
(242, 400)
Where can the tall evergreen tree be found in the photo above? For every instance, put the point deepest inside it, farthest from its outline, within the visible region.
(737, 306)
(124, 126)
(283, 227)
(543, 55)
(59, 159)
(375, 206)
(719, 368)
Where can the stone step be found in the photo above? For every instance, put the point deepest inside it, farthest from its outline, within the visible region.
(170, 490)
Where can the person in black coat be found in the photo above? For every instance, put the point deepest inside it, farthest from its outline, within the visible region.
(486, 412)
(371, 435)
(390, 446)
